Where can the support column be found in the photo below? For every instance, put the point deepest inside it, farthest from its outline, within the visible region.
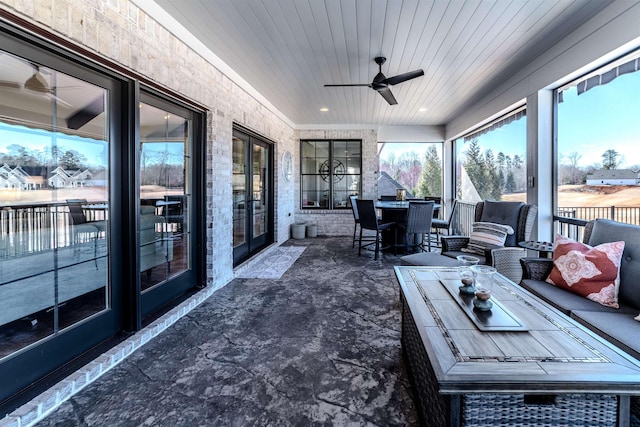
(541, 161)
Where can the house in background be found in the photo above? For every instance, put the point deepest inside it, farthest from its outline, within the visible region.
(61, 178)
(18, 178)
(613, 177)
(387, 186)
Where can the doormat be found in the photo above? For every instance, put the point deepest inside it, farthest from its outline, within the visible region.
(273, 265)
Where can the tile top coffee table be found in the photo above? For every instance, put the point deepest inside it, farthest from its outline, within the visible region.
(535, 365)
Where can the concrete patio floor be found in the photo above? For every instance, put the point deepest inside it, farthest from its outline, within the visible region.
(318, 347)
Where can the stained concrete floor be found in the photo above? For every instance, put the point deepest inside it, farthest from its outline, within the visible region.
(318, 347)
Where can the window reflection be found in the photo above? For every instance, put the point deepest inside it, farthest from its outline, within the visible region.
(53, 151)
(164, 195)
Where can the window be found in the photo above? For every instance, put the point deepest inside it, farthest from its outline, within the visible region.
(491, 162)
(330, 173)
(597, 139)
(415, 167)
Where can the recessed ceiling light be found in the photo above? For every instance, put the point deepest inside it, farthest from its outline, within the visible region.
(324, 109)
(422, 109)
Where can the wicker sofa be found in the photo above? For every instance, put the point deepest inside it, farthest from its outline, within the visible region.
(615, 325)
(505, 259)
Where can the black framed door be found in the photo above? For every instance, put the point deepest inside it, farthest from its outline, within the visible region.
(252, 195)
(61, 288)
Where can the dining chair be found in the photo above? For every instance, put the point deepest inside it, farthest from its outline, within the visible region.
(418, 225)
(387, 198)
(356, 218)
(437, 200)
(439, 225)
(83, 229)
(370, 221)
(78, 217)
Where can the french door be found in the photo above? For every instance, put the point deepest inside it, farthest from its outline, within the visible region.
(252, 195)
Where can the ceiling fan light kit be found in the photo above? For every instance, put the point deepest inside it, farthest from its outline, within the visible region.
(381, 83)
(37, 83)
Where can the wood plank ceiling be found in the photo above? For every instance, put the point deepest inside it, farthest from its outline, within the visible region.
(288, 49)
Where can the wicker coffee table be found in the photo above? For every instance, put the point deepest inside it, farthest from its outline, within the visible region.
(536, 367)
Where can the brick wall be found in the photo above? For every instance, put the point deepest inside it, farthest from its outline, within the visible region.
(340, 222)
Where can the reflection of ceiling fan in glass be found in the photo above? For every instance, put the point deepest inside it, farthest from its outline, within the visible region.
(37, 85)
(338, 170)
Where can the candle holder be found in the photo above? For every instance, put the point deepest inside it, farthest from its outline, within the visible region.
(466, 275)
(482, 300)
(483, 275)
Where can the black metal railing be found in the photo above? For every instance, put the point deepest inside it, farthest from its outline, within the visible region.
(629, 215)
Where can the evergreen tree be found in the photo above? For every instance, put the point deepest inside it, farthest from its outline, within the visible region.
(510, 185)
(431, 179)
(492, 182)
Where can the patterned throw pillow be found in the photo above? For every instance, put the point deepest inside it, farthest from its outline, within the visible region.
(593, 272)
(486, 235)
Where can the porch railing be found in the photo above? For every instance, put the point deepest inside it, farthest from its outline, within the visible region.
(32, 228)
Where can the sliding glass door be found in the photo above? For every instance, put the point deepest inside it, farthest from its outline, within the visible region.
(101, 190)
(57, 296)
(165, 192)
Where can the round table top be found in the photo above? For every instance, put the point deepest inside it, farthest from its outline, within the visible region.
(392, 204)
(537, 246)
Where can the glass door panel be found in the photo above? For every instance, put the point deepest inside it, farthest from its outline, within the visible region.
(54, 202)
(239, 189)
(252, 195)
(260, 185)
(164, 195)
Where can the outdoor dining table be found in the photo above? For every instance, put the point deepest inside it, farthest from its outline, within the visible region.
(395, 211)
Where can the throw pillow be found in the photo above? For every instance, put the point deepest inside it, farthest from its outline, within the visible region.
(592, 272)
(485, 235)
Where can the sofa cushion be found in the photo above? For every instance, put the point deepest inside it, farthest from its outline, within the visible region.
(501, 212)
(567, 301)
(455, 254)
(605, 230)
(593, 272)
(429, 259)
(621, 330)
(486, 235)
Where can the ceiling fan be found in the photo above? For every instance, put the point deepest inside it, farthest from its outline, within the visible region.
(381, 83)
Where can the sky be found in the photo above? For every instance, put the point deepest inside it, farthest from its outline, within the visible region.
(94, 150)
(603, 118)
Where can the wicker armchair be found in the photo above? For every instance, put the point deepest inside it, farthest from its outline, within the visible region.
(506, 259)
(539, 268)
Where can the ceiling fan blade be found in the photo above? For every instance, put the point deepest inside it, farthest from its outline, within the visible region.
(403, 77)
(388, 96)
(350, 84)
(10, 85)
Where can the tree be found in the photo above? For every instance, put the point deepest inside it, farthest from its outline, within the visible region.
(610, 160)
(482, 172)
(72, 160)
(431, 179)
